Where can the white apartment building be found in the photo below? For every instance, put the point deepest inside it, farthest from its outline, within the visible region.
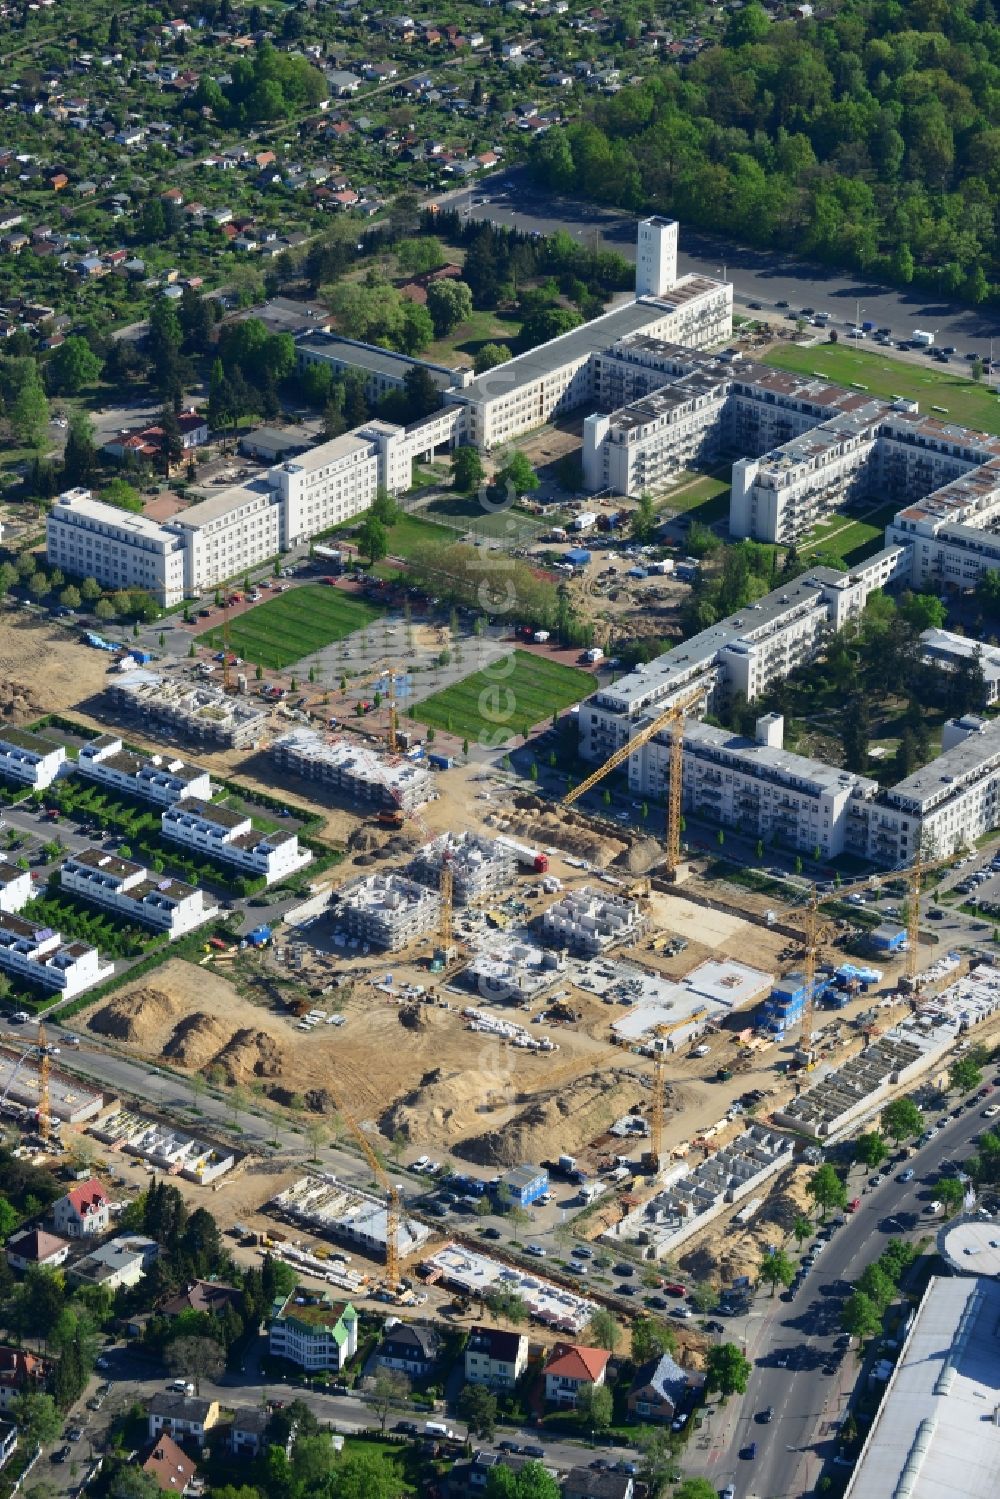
(949, 651)
(643, 446)
(230, 837)
(15, 888)
(313, 1332)
(764, 791)
(39, 956)
(945, 806)
(325, 485)
(89, 539)
(166, 905)
(782, 495)
(741, 654)
(224, 536)
(29, 758)
(383, 369)
(152, 778)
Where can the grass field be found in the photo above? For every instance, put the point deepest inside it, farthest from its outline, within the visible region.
(964, 401)
(293, 625)
(703, 497)
(849, 538)
(463, 344)
(516, 698)
(466, 513)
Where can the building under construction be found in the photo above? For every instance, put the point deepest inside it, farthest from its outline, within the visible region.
(587, 921)
(69, 1101)
(347, 1214)
(359, 773)
(481, 868)
(206, 715)
(387, 911)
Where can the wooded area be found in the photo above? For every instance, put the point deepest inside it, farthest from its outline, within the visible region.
(867, 139)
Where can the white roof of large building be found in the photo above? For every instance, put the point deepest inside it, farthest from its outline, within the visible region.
(219, 505)
(82, 502)
(936, 1436)
(327, 452)
(972, 1247)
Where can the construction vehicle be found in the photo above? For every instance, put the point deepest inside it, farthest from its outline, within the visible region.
(672, 719)
(387, 819)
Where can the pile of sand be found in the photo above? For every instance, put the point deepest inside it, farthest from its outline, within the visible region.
(19, 702)
(553, 1122)
(730, 1250)
(196, 1040)
(641, 856)
(250, 1054)
(568, 830)
(138, 1017)
(443, 1105)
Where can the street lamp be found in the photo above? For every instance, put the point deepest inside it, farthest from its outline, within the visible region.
(858, 310)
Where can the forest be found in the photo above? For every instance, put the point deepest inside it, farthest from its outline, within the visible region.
(866, 139)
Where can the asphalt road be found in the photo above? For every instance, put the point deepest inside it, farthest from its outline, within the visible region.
(808, 1404)
(757, 275)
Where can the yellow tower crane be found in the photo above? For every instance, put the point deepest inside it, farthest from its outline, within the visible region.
(447, 900)
(44, 1101)
(671, 718)
(392, 1214)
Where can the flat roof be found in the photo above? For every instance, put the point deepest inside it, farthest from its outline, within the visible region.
(82, 502)
(219, 505)
(371, 357)
(971, 1246)
(594, 337)
(23, 739)
(327, 452)
(946, 775)
(782, 764)
(935, 1436)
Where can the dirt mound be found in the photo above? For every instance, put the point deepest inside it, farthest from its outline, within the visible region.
(251, 1053)
(138, 1017)
(568, 830)
(319, 1101)
(19, 702)
(575, 1112)
(196, 1041)
(731, 1250)
(640, 856)
(362, 841)
(414, 1017)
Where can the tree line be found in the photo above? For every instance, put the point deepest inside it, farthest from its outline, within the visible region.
(865, 137)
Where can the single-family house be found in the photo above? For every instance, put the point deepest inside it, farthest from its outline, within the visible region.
(570, 1366)
(36, 1247)
(247, 1437)
(413, 1350)
(495, 1358)
(589, 1483)
(21, 1373)
(83, 1213)
(170, 1465)
(207, 1296)
(657, 1388)
(181, 1416)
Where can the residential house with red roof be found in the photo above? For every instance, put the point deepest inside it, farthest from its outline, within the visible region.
(83, 1213)
(571, 1366)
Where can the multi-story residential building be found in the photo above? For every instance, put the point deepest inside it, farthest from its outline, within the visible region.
(767, 792)
(387, 911)
(947, 805)
(645, 444)
(152, 778)
(38, 954)
(383, 370)
(15, 888)
(226, 535)
(230, 837)
(956, 653)
(29, 758)
(360, 773)
(88, 539)
(313, 1332)
(495, 1358)
(742, 654)
(165, 904)
(83, 1213)
(122, 1261)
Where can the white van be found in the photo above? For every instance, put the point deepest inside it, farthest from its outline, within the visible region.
(437, 1429)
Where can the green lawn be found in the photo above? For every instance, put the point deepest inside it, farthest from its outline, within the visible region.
(703, 497)
(293, 625)
(466, 513)
(463, 344)
(500, 702)
(849, 539)
(964, 401)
